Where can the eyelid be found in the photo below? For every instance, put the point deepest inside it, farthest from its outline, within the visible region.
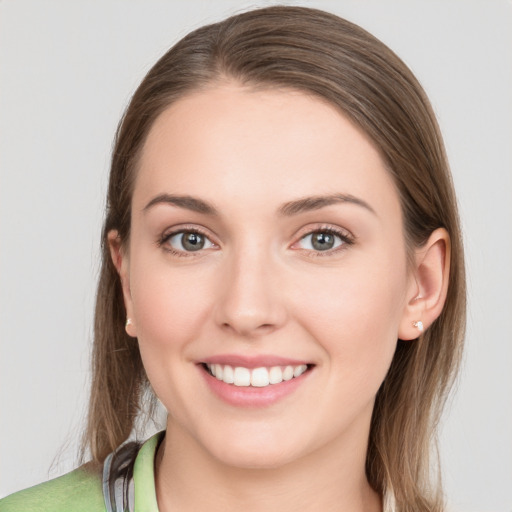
(185, 228)
(344, 234)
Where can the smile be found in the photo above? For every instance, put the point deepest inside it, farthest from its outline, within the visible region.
(255, 377)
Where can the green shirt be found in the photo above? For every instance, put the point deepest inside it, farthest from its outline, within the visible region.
(81, 490)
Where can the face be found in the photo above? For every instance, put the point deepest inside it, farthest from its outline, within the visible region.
(266, 274)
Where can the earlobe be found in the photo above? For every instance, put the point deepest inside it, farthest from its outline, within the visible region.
(429, 285)
(120, 260)
(129, 327)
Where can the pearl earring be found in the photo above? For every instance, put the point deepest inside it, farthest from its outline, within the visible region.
(128, 323)
(418, 325)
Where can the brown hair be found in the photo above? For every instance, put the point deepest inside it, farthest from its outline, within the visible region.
(316, 52)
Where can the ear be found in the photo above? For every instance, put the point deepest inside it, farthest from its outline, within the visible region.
(428, 287)
(121, 262)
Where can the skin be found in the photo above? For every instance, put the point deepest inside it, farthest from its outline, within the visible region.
(260, 287)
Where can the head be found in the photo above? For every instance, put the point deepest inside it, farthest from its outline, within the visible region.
(323, 57)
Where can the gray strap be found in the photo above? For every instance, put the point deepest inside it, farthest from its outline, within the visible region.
(117, 480)
(106, 481)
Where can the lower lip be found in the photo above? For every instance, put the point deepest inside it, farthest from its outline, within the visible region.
(249, 396)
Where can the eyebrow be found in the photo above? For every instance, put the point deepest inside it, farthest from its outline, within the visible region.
(307, 204)
(187, 202)
(288, 209)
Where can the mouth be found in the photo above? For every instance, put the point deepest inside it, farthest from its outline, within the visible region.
(260, 377)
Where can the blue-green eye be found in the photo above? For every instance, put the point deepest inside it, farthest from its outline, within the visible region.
(321, 241)
(188, 241)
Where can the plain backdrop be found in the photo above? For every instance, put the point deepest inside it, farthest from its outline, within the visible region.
(67, 70)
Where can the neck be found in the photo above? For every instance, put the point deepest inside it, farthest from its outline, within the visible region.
(331, 479)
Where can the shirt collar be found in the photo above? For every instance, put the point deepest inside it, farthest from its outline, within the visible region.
(144, 475)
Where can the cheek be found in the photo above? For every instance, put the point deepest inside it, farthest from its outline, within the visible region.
(170, 308)
(355, 315)
(169, 305)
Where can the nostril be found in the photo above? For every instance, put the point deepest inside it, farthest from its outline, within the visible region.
(248, 329)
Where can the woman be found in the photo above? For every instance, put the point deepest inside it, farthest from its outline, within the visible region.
(282, 268)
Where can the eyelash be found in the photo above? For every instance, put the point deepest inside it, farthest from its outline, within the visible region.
(346, 239)
(162, 241)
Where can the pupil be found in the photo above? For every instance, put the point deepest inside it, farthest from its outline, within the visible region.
(193, 241)
(322, 241)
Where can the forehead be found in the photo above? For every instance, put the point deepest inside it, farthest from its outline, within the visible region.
(259, 146)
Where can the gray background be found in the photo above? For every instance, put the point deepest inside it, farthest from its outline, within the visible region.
(67, 69)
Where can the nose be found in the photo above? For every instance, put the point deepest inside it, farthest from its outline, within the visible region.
(251, 301)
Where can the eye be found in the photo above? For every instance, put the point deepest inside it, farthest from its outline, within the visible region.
(188, 241)
(322, 240)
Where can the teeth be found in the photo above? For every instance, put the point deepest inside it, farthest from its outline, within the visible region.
(257, 377)
(275, 375)
(218, 371)
(288, 373)
(298, 370)
(229, 375)
(242, 376)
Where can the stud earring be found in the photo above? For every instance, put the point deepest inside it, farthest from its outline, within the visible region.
(419, 325)
(128, 323)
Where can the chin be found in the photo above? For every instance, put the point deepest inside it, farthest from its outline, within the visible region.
(255, 459)
(256, 448)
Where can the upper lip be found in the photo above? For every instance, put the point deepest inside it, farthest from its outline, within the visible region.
(252, 361)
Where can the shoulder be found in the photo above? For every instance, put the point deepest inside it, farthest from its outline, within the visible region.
(78, 491)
